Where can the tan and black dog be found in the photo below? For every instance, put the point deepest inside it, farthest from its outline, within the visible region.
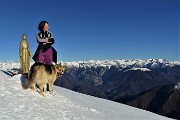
(41, 75)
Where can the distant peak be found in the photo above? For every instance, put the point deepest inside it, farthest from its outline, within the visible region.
(123, 63)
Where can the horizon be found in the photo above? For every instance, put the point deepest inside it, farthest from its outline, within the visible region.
(94, 30)
(31, 61)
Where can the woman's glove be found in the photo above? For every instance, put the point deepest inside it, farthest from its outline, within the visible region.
(51, 40)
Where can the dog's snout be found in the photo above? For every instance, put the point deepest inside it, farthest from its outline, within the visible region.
(59, 75)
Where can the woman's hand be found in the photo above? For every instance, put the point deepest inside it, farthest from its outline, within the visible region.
(51, 40)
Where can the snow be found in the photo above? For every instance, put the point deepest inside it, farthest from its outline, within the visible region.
(19, 104)
(177, 86)
(123, 63)
(141, 69)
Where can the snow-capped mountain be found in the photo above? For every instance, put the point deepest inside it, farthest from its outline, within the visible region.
(19, 104)
(119, 79)
(110, 75)
(123, 63)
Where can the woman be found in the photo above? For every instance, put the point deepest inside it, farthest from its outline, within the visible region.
(45, 53)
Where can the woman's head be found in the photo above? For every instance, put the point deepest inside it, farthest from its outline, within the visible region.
(43, 26)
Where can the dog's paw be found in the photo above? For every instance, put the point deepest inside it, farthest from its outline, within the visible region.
(41, 93)
(52, 93)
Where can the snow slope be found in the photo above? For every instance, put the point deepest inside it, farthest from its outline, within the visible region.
(16, 103)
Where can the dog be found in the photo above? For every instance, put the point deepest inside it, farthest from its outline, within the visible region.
(41, 75)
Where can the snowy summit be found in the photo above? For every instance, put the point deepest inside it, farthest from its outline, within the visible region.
(19, 104)
(124, 63)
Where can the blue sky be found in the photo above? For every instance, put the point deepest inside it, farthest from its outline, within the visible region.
(94, 29)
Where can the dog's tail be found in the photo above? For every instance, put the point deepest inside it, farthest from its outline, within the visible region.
(30, 80)
(31, 77)
(28, 84)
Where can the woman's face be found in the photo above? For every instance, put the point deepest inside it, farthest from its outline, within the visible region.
(45, 27)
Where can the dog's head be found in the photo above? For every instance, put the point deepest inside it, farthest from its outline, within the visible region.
(60, 70)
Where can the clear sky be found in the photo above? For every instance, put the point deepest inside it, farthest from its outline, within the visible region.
(94, 29)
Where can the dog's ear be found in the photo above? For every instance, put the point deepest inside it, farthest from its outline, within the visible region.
(60, 64)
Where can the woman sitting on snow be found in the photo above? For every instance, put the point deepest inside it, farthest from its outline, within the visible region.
(45, 53)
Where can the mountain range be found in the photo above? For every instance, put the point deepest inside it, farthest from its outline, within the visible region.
(19, 104)
(120, 80)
